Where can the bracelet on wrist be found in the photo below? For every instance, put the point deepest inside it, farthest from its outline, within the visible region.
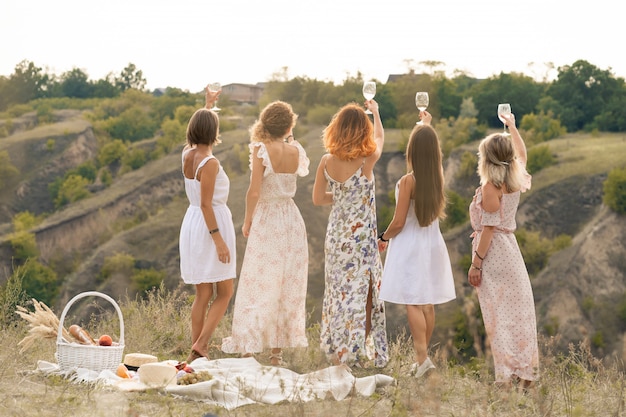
(477, 268)
(482, 258)
(380, 236)
(214, 231)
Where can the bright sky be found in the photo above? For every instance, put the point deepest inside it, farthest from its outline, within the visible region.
(188, 43)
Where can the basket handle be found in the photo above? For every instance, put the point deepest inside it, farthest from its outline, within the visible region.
(90, 294)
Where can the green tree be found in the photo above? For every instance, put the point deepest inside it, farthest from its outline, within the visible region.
(25, 221)
(130, 77)
(105, 87)
(73, 188)
(75, 83)
(111, 152)
(133, 124)
(539, 157)
(614, 188)
(38, 281)
(582, 91)
(456, 210)
(165, 106)
(520, 90)
(541, 127)
(134, 159)
(25, 84)
(24, 245)
(120, 263)
(612, 118)
(147, 279)
(8, 172)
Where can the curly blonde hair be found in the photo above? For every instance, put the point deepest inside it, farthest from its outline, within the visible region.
(497, 163)
(276, 119)
(350, 134)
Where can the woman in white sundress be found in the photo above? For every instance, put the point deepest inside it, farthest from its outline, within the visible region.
(207, 233)
(417, 269)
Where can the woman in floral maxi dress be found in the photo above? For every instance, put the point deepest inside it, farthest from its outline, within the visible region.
(270, 307)
(498, 271)
(353, 317)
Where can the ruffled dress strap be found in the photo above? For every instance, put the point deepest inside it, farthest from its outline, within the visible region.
(202, 163)
(262, 154)
(303, 160)
(487, 218)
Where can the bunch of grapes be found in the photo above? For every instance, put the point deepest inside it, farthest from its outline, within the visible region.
(194, 377)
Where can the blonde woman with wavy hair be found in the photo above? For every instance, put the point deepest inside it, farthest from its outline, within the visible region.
(498, 272)
(270, 307)
(417, 272)
(352, 313)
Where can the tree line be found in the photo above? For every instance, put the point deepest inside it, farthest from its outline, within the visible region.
(581, 97)
(29, 82)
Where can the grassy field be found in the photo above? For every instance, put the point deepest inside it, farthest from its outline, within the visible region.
(572, 384)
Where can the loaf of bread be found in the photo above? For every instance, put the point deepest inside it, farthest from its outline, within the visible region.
(81, 335)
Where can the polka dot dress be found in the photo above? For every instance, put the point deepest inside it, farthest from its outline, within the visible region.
(505, 295)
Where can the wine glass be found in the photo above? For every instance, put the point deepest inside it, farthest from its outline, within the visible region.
(369, 91)
(214, 88)
(421, 101)
(504, 110)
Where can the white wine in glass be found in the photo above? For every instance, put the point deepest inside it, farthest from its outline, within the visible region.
(504, 109)
(369, 91)
(421, 101)
(214, 88)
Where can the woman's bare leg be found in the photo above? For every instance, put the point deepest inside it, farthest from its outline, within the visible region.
(224, 293)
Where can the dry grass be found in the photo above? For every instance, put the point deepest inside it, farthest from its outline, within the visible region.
(572, 383)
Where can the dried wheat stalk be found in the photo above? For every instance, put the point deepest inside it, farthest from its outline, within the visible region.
(44, 324)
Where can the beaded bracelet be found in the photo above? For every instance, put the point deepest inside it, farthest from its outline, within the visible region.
(214, 231)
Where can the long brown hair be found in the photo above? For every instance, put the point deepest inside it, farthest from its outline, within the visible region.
(350, 134)
(424, 160)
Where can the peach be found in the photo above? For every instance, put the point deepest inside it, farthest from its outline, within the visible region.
(105, 340)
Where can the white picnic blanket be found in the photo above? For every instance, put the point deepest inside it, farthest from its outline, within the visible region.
(240, 381)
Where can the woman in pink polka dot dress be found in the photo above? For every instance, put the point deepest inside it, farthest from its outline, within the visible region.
(498, 271)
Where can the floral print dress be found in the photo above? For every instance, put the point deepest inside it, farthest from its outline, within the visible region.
(270, 307)
(352, 263)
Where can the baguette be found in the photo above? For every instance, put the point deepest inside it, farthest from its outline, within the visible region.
(81, 335)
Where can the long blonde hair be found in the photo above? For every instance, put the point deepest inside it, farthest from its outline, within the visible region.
(276, 119)
(424, 160)
(497, 163)
(350, 134)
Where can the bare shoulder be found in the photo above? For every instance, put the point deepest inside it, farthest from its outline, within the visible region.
(491, 197)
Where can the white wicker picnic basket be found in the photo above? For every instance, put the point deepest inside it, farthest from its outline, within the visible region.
(71, 355)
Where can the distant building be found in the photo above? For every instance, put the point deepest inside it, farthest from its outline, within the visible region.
(418, 77)
(243, 93)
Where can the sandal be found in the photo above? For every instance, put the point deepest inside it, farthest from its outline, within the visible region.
(193, 355)
(276, 359)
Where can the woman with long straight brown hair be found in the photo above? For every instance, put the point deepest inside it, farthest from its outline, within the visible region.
(417, 270)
